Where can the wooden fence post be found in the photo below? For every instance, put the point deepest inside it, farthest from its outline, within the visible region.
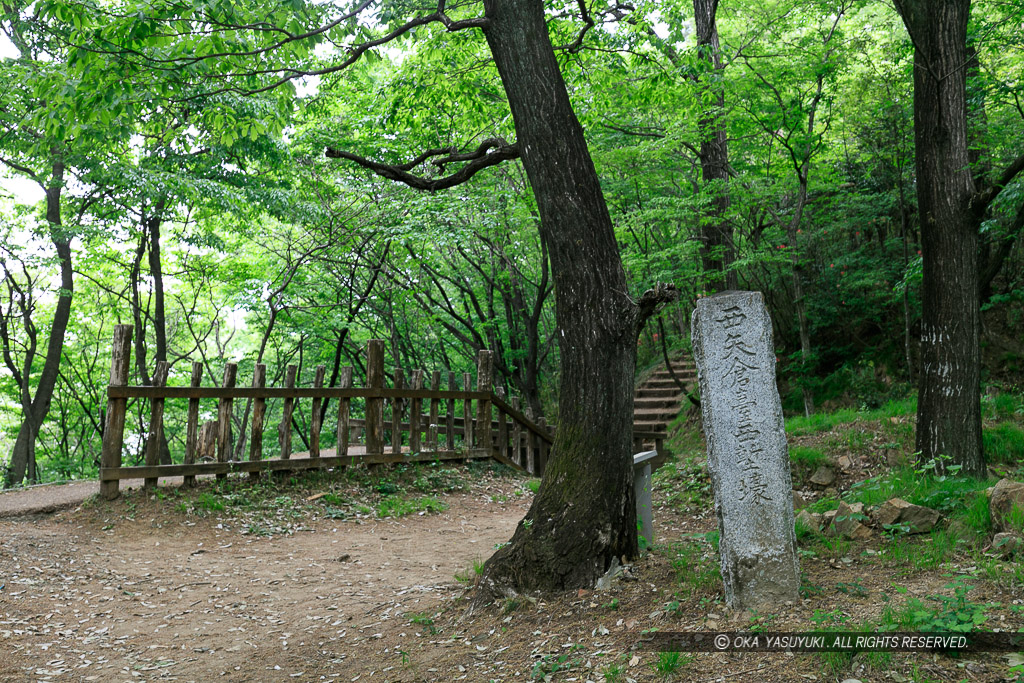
(517, 437)
(502, 443)
(344, 404)
(284, 430)
(156, 423)
(484, 374)
(224, 418)
(113, 431)
(259, 410)
(192, 430)
(449, 418)
(467, 413)
(375, 406)
(396, 413)
(315, 419)
(415, 414)
(435, 405)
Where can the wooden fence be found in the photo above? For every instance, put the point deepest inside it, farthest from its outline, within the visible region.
(423, 424)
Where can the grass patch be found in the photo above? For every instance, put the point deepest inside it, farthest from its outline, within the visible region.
(920, 486)
(823, 505)
(670, 662)
(684, 436)
(1015, 519)
(823, 422)
(331, 498)
(396, 506)
(945, 613)
(807, 457)
(976, 514)
(818, 544)
(920, 553)
(281, 504)
(470, 574)
(434, 478)
(696, 568)
(941, 613)
(209, 502)
(686, 482)
(1003, 443)
(1002, 406)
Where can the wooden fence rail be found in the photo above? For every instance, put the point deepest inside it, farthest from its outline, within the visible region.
(422, 424)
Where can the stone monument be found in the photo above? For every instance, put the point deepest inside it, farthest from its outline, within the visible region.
(748, 459)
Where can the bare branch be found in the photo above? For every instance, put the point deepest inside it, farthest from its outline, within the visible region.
(290, 73)
(23, 169)
(588, 23)
(983, 199)
(178, 62)
(491, 152)
(639, 132)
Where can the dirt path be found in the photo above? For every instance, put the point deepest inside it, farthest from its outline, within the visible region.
(89, 595)
(46, 498)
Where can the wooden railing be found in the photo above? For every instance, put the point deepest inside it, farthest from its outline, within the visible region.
(423, 424)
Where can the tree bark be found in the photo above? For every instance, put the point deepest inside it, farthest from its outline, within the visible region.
(23, 452)
(584, 515)
(949, 394)
(156, 271)
(716, 234)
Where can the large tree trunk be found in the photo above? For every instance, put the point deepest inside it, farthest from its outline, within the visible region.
(584, 514)
(716, 234)
(949, 396)
(23, 452)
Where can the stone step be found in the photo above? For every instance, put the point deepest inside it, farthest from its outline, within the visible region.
(678, 367)
(689, 367)
(658, 400)
(653, 414)
(665, 377)
(650, 426)
(646, 402)
(664, 383)
(649, 392)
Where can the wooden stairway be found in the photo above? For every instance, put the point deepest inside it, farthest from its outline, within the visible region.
(659, 399)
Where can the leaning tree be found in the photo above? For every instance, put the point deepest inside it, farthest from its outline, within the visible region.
(583, 516)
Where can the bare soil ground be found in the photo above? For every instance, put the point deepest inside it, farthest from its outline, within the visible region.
(167, 587)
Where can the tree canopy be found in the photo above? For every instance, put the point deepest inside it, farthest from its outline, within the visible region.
(280, 183)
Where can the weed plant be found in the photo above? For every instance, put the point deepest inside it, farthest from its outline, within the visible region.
(670, 662)
(918, 485)
(696, 569)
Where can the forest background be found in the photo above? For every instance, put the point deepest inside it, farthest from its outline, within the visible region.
(193, 198)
